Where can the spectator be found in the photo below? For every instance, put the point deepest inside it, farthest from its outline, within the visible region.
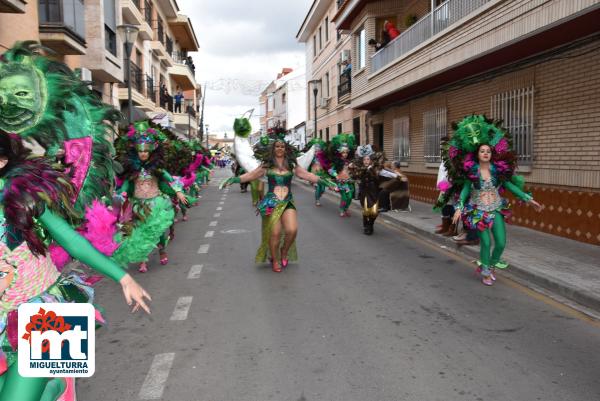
(391, 30)
(178, 100)
(164, 95)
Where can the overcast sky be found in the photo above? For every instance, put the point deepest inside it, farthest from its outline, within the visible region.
(243, 45)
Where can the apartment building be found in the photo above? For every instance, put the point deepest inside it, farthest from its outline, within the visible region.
(85, 36)
(329, 66)
(266, 107)
(533, 64)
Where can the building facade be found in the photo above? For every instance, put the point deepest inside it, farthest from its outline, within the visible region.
(532, 64)
(329, 66)
(85, 36)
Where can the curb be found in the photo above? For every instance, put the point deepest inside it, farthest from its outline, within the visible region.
(518, 272)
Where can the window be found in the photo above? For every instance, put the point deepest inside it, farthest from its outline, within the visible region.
(434, 126)
(321, 133)
(401, 139)
(326, 83)
(320, 38)
(515, 109)
(110, 26)
(339, 128)
(110, 40)
(326, 29)
(283, 98)
(361, 48)
(327, 134)
(315, 46)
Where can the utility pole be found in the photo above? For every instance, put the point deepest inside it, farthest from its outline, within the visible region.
(202, 114)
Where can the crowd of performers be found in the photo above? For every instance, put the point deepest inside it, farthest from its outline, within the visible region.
(69, 192)
(108, 204)
(478, 168)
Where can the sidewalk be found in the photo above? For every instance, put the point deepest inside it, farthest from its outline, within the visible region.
(565, 267)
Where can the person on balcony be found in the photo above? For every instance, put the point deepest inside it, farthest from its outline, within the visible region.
(391, 30)
(178, 100)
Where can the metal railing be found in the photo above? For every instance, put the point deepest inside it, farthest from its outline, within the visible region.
(515, 109)
(148, 12)
(150, 90)
(345, 85)
(444, 16)
(68, 14)
(137, 78)
(160, 32)
(169, 45)
(182, 58)
(435, 128)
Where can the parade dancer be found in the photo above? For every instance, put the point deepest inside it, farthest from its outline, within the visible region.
(146, 184)
(35, 205)
(319, 166)
(341, 153)
(368, 169)
(481, 165)
(277, 208)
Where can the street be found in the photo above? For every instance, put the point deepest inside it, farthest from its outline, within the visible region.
(378, 318)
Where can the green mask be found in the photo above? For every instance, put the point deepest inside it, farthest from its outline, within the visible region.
(23, 98)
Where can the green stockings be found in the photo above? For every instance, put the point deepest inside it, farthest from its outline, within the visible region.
(490, 259)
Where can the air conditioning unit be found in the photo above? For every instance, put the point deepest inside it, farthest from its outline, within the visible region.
(86, 75)
(324, 102)
(345, 55)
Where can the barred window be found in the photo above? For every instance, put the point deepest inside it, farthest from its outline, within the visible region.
(401, 139)
(434, 126)
(515, 109)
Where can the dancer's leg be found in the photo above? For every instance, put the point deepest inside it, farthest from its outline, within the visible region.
(484, 251)
(275, 239)
(499, 232)
(289, 219)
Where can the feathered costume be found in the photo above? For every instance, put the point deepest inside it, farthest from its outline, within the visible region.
(368, 169)
(341, 152)
(146, 187)
(271, 207)
(61, 113)
(319, 166)
(481, 202)
(35, 208)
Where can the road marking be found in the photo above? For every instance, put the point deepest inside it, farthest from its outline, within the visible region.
(182, 308)
(154, 384)
(203, 248)
(217, 215)
(195, 272)
(221, 203)
(209, 234)
(213, 224)
(235, 231)
(219, 208)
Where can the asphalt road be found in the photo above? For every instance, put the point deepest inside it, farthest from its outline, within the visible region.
(358, 318)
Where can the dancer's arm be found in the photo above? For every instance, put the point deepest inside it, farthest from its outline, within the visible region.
(464, 195)
(80, 249)
(303, 174)
(177, 186)
(248, 177)
(522, 195)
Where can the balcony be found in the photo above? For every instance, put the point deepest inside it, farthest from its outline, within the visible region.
(12, 6)
(495, 34)
(150, 89)
(138, 85)
(440, 19)
(62, 26)
(183, 75)
(183, 33)
(344, 89)
(131, 11)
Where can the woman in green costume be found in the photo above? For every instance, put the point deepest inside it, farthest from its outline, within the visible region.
(481, 166)
(279, 218)
(35, 208)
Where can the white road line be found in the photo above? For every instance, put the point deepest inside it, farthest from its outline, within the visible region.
(154, 384)
(217, 215)
(209, 234)
(195, 272)
(221, 203)
(213, 224)
(219, 208)
(203, 248)
(182, 308)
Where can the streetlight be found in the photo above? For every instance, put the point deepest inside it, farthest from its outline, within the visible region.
(129, 34)
(315, 88)
(189, 108)
(206, 132)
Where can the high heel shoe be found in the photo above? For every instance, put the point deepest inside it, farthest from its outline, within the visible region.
(275, 266)
(143, 267)
(164, 259)
(284, 262)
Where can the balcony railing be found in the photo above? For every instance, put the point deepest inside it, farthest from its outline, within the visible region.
(137, 4)
(160, 32)
(182, 58)
(148, 12)
(345, 85)
(137, 78)
(150, 91)
(169, 45)
(430, 25)
(68, 14)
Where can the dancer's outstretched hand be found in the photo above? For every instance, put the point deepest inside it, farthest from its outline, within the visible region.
(229, 181)
(182, 198)
(134, 294)
(536, 205)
